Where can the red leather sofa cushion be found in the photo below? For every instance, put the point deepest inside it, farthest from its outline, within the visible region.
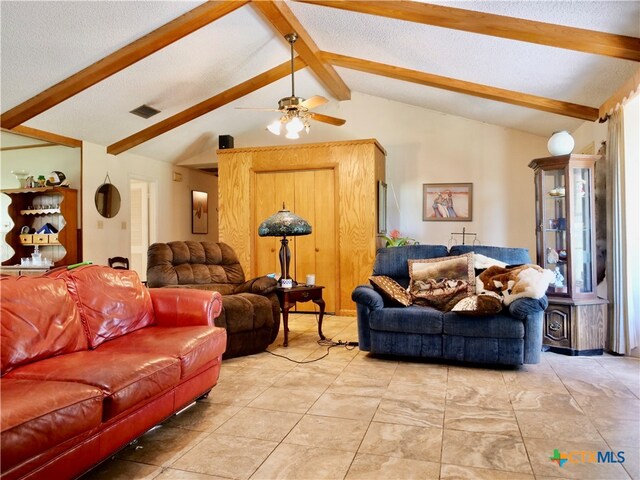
(122, 306)
(193, 346)
(39, 320)
(39, 415)
(126, 380)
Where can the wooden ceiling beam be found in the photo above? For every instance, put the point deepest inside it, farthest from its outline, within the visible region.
(120, 59)
(571, 38)
(206, 106)
(24, 147)
(478, 90)
(280, 16)
(46, 136)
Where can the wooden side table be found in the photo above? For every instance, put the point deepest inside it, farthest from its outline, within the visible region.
(288, 298)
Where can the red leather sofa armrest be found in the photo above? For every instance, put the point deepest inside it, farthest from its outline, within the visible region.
(177, 307)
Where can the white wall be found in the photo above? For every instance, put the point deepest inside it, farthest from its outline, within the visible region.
(425, 146)
(588, 134)
(40, 161)
(173, 212)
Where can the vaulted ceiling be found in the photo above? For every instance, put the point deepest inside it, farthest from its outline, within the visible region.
(77, 68)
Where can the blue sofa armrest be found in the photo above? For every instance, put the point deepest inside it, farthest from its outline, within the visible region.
(367, 300)
(531, 312)
(523, 307)
(365, 295)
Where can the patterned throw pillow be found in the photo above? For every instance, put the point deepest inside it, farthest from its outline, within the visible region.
(441, 282)
(390, 289)
(477, 305)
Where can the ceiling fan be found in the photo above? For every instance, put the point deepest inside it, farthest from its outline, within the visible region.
(295, 110)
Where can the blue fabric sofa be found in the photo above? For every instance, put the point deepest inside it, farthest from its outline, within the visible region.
(512, 337)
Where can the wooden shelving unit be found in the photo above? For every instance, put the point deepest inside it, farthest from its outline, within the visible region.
(62, 213)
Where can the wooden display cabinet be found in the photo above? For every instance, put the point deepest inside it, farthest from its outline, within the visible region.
(33, 208)
(574, 322)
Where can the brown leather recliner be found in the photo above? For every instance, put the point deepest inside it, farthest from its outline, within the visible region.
(250, 309)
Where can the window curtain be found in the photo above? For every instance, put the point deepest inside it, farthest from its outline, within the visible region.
(623, 321)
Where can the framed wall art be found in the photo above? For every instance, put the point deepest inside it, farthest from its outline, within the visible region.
(382, 207)
(451, 202)
(199, 212)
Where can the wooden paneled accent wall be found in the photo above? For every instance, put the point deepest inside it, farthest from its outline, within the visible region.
(357, 167)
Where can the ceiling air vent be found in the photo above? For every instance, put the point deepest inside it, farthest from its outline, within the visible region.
(145, 111)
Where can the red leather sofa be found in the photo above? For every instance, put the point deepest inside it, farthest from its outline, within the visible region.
(91, 359)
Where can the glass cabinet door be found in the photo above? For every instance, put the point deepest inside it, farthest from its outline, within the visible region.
(565, 225)
(581, 234)
(554, 228)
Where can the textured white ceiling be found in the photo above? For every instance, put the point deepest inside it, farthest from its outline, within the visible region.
(43, 43)
(525, 67)
(619, 17)
(171, 80)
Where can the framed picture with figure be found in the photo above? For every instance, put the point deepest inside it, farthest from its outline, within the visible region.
(199, 212)
(449, 202)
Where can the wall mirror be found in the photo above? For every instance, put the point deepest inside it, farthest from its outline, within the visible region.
(107, 200)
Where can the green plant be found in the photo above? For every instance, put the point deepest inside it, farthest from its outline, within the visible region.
(395, 240)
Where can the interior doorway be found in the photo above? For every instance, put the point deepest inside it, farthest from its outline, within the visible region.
(142, 222)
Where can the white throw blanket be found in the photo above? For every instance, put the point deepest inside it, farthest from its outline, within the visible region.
(530, 281)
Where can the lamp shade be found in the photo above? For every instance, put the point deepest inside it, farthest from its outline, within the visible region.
(561, 143)
(284, 224)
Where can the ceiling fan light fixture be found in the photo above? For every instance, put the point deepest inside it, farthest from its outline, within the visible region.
(294, 125)
(275, 127)
(292, 135)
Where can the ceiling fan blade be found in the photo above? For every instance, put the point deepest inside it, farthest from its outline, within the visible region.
(327, 119)
(314, 102)
(261, 109)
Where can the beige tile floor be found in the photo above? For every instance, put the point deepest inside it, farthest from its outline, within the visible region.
(352, 416)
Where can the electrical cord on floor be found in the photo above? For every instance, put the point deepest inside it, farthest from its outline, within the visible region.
(328, 343)
(323, 343)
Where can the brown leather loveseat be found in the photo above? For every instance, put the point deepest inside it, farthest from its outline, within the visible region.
(91, 359)
(250, 309)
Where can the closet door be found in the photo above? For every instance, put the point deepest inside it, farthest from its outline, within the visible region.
(316, 253)
(272, 189)
(311, 195)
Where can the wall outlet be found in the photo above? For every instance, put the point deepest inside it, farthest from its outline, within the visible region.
(123, 225)
(100, 224)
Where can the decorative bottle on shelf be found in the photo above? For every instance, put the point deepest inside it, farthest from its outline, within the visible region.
(36, 256)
